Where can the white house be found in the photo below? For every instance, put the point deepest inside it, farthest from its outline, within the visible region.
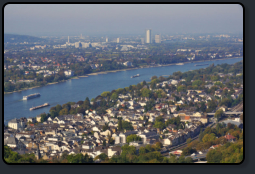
(69, 73)
(16, 124)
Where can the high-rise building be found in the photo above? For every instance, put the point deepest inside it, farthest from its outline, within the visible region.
(142, 40)
(85, 45)
(68, 39)
(77, 44)
(157, 38)
(148, 36)
(106, 40)
(118, 40)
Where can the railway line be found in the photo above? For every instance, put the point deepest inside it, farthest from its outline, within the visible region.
(183, 145)
(238, 107)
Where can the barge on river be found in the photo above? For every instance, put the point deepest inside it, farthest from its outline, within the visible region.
(137, 75)
(41, 106)
(31, 96)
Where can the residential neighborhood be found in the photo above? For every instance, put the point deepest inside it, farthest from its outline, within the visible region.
(175, 116)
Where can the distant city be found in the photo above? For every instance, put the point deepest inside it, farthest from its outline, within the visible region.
(151, 97)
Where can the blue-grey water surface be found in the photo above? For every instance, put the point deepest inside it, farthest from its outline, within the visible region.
(78, 89)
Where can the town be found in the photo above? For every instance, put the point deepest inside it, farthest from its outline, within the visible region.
(40, 61)
(182, 118)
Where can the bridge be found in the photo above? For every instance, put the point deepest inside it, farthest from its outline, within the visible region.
(227, 113)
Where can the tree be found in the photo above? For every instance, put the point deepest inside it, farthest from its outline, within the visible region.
(209, 137)
(159, 145)
(102, 157)
(133, 137)
(181, 159)
(105, 127)
(105, 94)
(146, 92)
(148, 148)
(127, 125)
(181, 88)
(63, 111)
(154, 77)
(188, 151)
(120, 128)
(188, 140)
(80, 110)
(58, 108)
(159, 123)
(218, 114)
(53, 114)
(114, 96)
(173, 159)
(142, 150)
(197, 83)
(43, 117)
(128, 150)
(87, 102)
(79, 158)
(203, 107)
(188, 160)
(213, 156)
(104, 143)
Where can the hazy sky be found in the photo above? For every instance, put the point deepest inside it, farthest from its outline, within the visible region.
(107, 19)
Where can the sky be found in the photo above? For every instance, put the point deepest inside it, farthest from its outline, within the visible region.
(121, 19)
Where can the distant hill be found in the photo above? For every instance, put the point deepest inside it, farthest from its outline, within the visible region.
(14, 38)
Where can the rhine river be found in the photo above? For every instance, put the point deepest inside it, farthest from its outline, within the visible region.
(78, 89)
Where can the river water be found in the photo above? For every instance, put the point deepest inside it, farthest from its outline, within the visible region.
(78, 89)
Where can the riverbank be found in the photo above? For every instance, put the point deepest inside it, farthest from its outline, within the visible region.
(91, 87)
(114, 71)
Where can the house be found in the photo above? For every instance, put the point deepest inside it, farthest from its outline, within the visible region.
(145, 136)
(204, 119)
(69, 73)
(25, 134)
(31, 119)
(121, 138)
(38, 118)
(224, 108)
(87, 145)
(114, 151)
(230, 138)
(11, 142)
(16, 124)
(173, 139)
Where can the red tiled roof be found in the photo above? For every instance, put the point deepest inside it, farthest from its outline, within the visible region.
(229, 137)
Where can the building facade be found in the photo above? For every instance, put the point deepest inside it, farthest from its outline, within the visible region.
(157, 38)
(148, 36)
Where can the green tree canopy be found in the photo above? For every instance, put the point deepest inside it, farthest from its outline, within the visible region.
(133, 137)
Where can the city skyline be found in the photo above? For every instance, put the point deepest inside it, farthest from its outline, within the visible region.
(131, 19)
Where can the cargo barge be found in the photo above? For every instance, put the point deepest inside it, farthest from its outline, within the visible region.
(38, 107)
(31, 96)
(137, 75)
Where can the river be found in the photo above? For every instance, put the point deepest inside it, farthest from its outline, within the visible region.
(78, 89)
